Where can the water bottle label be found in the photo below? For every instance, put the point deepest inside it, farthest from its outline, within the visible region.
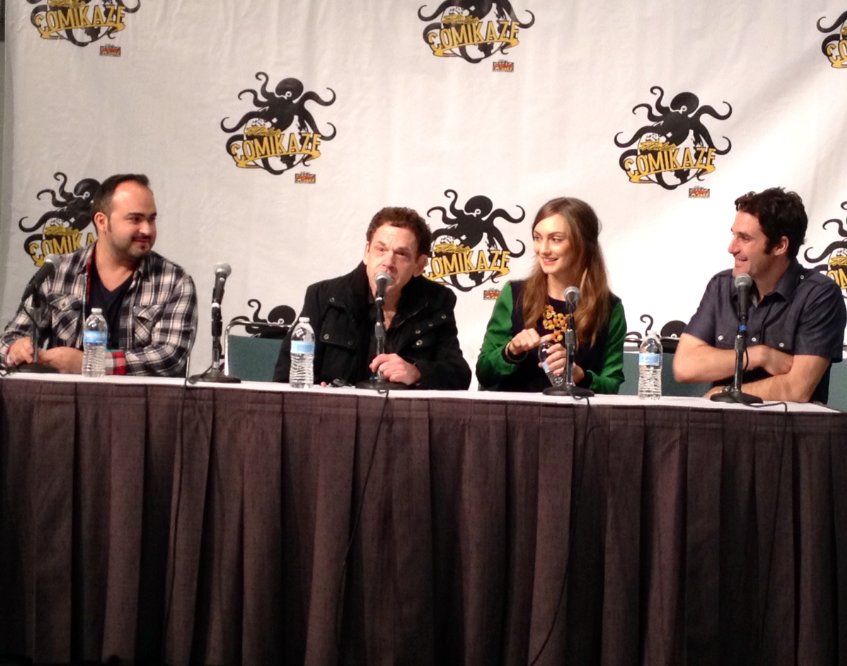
(94, 337)
(302, 347)
(649, 359)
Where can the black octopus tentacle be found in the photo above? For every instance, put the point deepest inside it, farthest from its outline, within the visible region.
(428, 29)
(625, 155)
(441, 209)
(635, 137)
(832, 39)
(256, 304)
(312, 96)
(832, 246)
(42, 221)
(130, 10)
(837, 23)
(329, 137)
(505, 215)
(659, 103)
(444, 5)
(257, 101)
(247, 117)
(711, 111)
(267, 94)
(55, 199)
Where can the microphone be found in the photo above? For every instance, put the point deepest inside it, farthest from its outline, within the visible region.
(48, 269)
(383, 280)
(214, 373)
(222, 272)
(572, 296)
(743, 285)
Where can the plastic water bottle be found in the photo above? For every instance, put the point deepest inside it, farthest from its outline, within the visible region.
(650, 367)
(95, 336)
(302, 374)
(556, 381)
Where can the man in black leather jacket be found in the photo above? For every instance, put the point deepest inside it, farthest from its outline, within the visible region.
(421, 347)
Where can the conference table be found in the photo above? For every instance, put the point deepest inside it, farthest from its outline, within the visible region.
(153, 521)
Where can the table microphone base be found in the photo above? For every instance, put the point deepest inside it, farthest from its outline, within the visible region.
(33, 368)
(381, 385)
(214, 375)
(572, 391)
(736, 396)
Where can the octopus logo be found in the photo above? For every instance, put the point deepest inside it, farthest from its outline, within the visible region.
(675, 147)
(836, 266)
(80, 22)
(257, 325)
(834, 46)
(280, 133)
(472, 29)
(669, 333)
(471, 250)
(60, 230)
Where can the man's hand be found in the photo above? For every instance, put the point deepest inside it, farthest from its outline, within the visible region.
(20, 351)
(395, 369)
(65, 359)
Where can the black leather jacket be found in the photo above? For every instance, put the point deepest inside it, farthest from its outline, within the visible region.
(422, 332)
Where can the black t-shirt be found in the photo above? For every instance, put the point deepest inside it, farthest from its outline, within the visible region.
(110, 302)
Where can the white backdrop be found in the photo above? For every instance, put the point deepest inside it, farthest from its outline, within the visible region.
(483, 132)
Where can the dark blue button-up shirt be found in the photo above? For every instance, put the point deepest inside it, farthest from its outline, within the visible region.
(804, 315)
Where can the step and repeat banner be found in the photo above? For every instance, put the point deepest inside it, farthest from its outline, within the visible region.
(272, 131)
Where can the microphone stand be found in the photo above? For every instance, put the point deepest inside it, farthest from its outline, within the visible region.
(35, 367)
(734, 393)
(377, 382)
(214, 373)
(569, 388)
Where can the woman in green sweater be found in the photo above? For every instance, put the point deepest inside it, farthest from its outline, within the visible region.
(531, 312)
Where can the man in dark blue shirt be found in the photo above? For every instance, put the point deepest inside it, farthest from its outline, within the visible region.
(797, 318)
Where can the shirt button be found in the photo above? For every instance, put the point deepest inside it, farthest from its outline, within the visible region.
(753, 340)
(720, 337)
(325, 336)
(417, 331)
(781, 345)
(418, 343)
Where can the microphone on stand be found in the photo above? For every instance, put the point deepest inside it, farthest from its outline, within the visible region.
(733, 393)
(377, 382)
(47, 270)
(571, 298)
(383, 281)
(214, 373)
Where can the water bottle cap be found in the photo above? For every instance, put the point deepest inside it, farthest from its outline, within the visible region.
(96, 310)
(304, 320)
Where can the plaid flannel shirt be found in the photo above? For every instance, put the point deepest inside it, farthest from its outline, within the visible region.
(158, 315)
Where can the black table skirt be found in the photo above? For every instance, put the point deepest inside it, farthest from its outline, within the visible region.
(154, 524)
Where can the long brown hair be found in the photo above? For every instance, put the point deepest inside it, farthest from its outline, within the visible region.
(596, 300)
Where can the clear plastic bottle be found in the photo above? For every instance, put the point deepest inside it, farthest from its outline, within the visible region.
(557, 381)
(302, 370)
(95, 337)
(650, 367)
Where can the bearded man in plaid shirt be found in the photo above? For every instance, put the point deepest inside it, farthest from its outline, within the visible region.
(149, 302)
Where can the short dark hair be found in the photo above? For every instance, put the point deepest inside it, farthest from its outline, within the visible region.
(780, 213)
(405, 218)
(103, 197)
